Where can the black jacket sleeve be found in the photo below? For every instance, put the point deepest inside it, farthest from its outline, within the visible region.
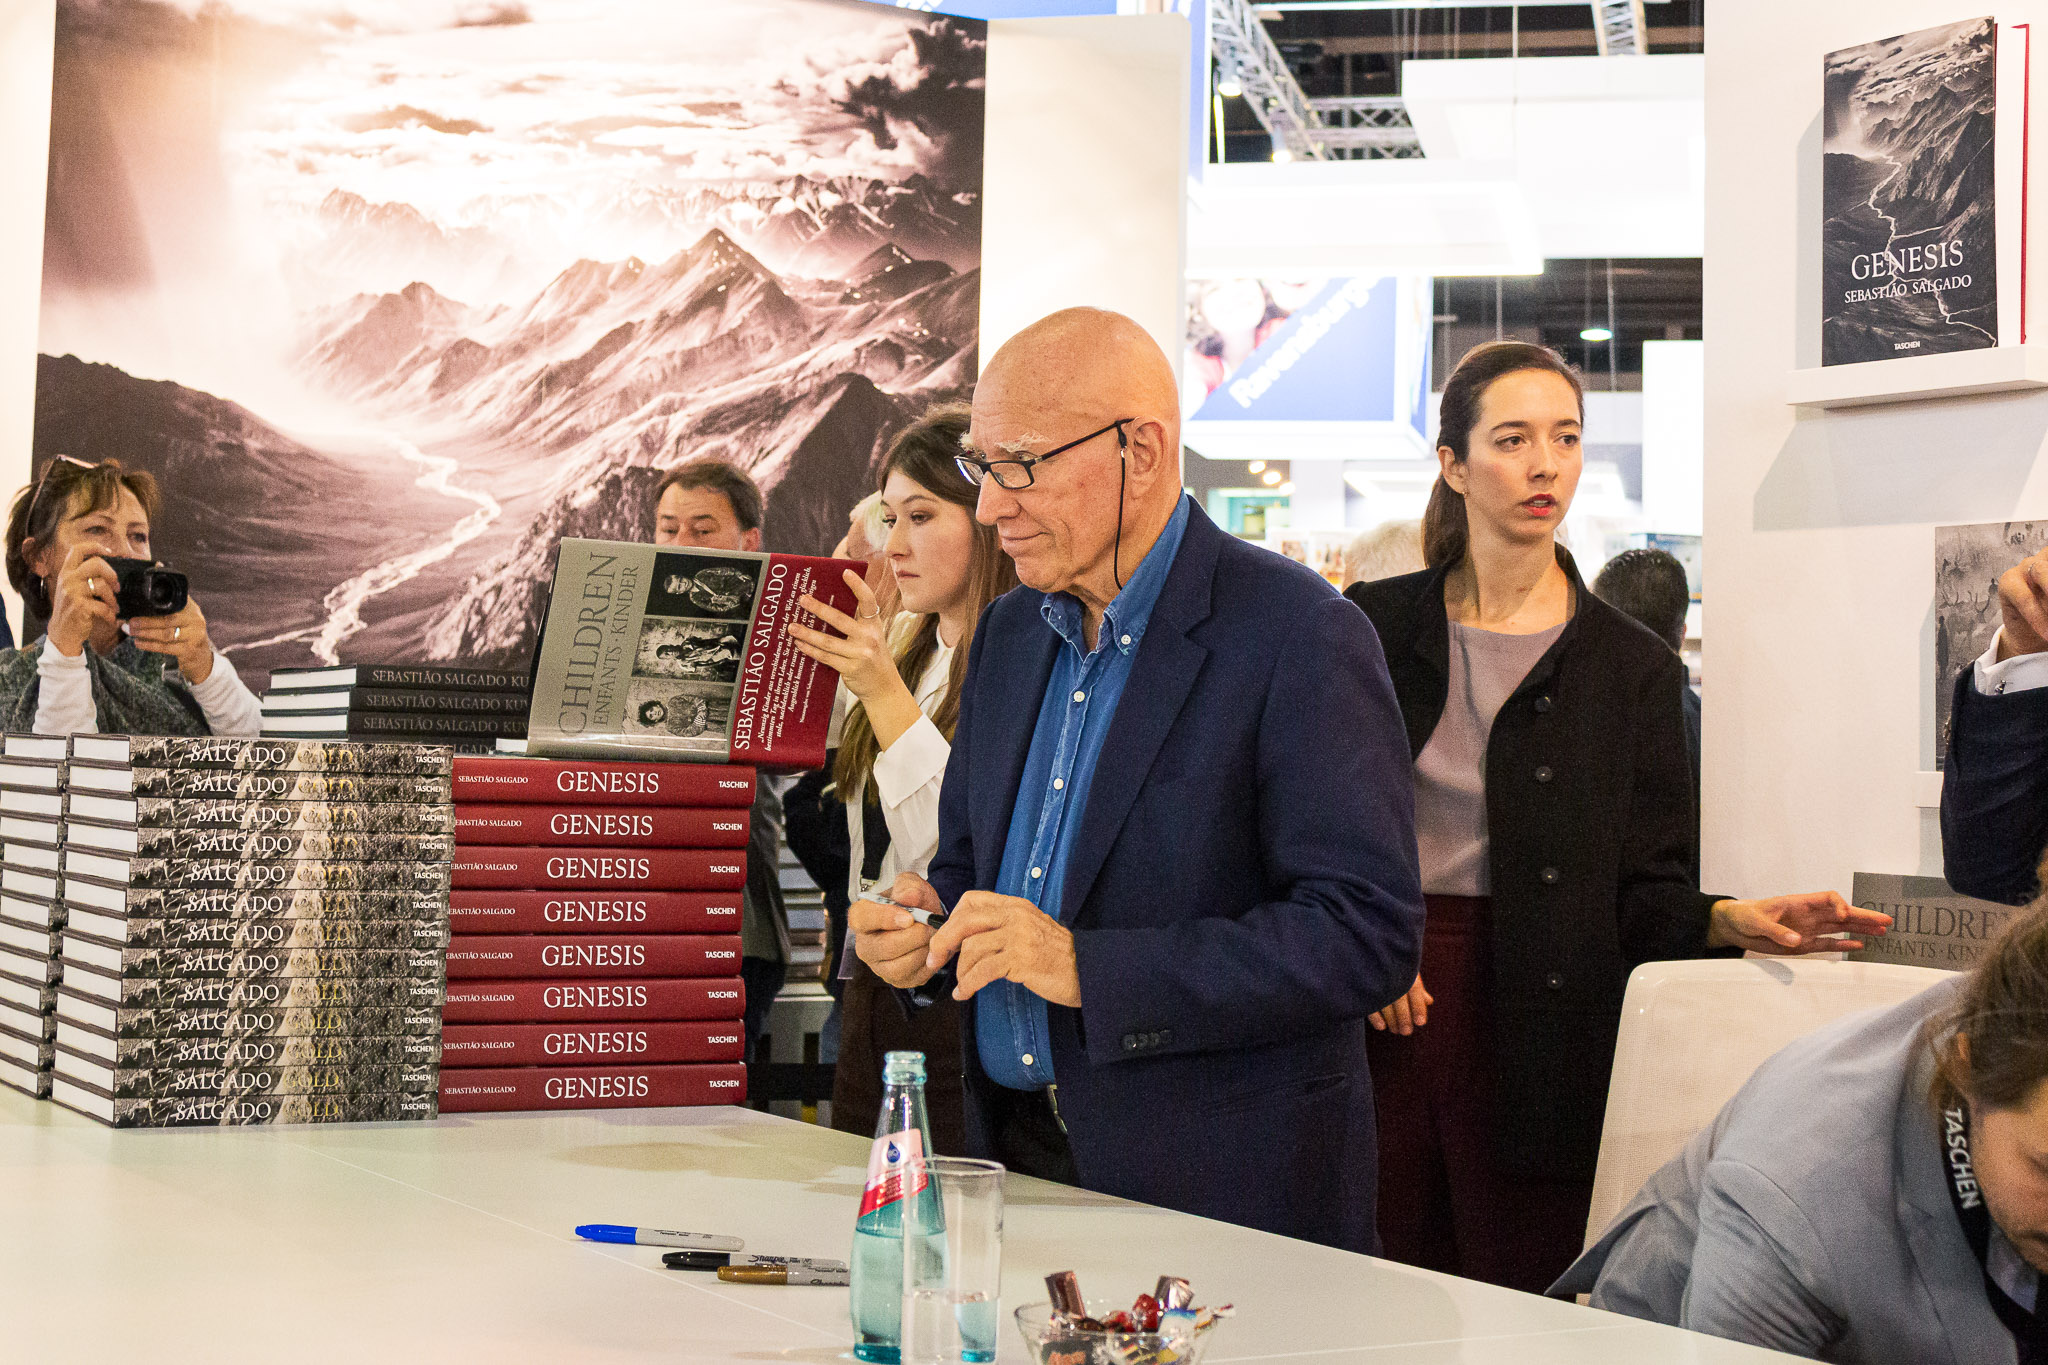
(1994, 792)
(1661, 914)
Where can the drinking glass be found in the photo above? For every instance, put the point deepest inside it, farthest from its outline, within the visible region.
(953, 1262)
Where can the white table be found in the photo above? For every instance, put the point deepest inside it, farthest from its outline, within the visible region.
(450, 1242)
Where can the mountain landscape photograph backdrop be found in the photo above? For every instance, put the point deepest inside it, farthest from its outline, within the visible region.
(391, 297)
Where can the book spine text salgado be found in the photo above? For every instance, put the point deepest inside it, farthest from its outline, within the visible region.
(283, 817)
(249, 1020)
(209, 1112)
(231, 903)
(334, 757)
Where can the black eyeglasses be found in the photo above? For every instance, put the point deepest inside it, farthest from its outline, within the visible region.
(1015, 474)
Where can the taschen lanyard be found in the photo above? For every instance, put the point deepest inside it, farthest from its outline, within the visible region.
(2029, 1330)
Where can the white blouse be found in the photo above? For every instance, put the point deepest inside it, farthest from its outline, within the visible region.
(907, 777)
(64, 704)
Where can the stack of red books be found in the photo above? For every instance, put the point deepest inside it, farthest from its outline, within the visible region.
(594, 950)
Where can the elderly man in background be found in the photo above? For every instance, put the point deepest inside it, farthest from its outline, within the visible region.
(1176, 837)
(709, 504)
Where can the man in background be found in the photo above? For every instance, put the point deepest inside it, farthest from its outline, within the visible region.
(1649, 586)
(711, 505)
(1388, 550)
(1994, 791)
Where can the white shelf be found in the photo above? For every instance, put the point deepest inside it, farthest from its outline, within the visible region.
(1995, 369)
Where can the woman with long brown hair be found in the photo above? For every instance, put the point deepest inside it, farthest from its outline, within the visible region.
(900, 686)
(1554, 814)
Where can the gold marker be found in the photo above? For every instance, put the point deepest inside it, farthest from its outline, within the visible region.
(780, 1274)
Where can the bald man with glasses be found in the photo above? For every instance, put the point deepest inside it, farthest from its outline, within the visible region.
(1176, 838)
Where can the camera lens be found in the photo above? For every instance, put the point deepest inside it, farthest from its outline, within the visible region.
(163, 593)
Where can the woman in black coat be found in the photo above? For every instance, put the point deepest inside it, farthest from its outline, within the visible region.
(1554, 809)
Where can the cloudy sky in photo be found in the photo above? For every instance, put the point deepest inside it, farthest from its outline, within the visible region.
(421, 102)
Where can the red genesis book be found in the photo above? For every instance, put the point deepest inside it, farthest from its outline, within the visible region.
(485, 778)
(595, 956)
(522, 868)
(495, 1089)
(594, 912)
(601, 826)
(467, 1045)
(577, 1002)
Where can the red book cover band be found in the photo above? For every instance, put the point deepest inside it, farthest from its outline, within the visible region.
(601, 826)
(525, 868)
(594, 912)
(585, 956)
(474, 1045)
(466, 1090)
(654, 1000)
(483, 778)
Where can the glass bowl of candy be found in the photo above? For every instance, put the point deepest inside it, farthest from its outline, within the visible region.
(1111, 1335)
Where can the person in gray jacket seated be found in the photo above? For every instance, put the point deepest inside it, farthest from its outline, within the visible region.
(1877, 1193)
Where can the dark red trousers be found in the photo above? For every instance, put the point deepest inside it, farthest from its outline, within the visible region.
(1445, 1203)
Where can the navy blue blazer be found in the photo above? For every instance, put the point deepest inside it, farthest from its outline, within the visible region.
(1243, 890)
(1994, 792)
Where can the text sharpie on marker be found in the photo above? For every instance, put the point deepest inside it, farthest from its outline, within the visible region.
(658, 1237)
(781, 1274)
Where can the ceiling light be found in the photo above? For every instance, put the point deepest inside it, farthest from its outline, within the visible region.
(1596, 334)
(1257, 466)
(1286, 490)
(1230, 87)
(1282, 155)
(1270, 477)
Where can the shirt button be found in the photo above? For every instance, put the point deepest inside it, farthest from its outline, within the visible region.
(1542, 705)
(1058, 785)
(1544, 774)
(1126, 639)
(1038, 872)
(1080, 696)
(1549, 875)
(1555, 981)
(1027, 1059)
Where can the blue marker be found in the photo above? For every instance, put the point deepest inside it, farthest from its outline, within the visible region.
(658, 1237)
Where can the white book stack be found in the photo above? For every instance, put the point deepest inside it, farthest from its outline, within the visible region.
(32, 769)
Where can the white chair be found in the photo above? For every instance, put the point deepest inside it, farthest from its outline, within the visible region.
(1693, 1032)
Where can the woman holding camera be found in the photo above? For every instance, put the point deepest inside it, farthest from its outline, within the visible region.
(901, 681)
(95, 671)
(1554, 813)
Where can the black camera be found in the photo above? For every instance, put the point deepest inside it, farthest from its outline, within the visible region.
(141, 588)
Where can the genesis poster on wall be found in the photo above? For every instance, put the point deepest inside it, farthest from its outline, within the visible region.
(1968, 561)
(391, 298)
(1914, 237)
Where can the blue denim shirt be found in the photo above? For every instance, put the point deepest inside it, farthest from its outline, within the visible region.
(1073, 721)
